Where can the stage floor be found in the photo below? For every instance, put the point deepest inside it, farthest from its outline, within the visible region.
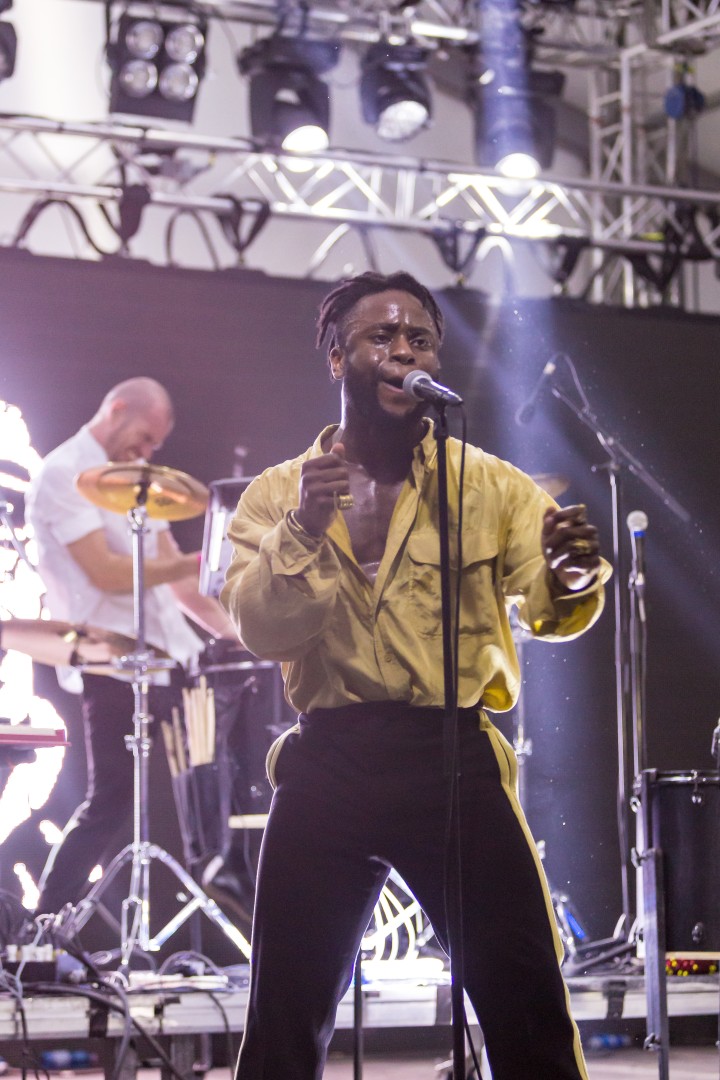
(686, 1063)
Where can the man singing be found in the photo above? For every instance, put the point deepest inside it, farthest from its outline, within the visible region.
(336, 573)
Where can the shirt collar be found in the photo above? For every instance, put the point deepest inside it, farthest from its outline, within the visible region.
(424, 453)
(91, 445)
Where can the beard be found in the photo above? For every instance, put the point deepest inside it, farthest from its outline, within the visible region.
(361, 401)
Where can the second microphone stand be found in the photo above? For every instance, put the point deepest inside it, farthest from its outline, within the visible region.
(619, 458)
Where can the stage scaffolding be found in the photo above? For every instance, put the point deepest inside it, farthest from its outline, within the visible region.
(621, 234)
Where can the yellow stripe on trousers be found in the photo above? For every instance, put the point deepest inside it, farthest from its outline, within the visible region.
(507, 764)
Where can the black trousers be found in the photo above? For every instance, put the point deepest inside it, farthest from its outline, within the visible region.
(99, 826)
(360, 789)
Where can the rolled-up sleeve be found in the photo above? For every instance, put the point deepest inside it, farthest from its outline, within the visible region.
(279, 591)
(527, 580)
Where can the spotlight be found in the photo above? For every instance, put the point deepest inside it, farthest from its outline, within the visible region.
(515, 123)
(8, 43)
(157, 66)
(394, 92)
(289, 102)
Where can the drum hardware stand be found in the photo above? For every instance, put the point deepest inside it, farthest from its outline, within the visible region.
(135, 917)
(648, 860)
(569, 925)
(715, 751)
(619, 457)
(521, 745)
(6, 509)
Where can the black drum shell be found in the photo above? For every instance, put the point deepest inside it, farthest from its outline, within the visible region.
(685, 823)
(251, 712)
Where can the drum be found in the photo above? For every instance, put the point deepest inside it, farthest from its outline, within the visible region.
(216, 548)
(251, 712)
(684, 818)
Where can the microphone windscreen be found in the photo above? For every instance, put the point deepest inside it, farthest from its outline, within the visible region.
(412, 378)
(637, 521)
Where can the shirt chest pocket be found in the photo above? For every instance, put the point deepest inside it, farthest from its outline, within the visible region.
(478, 606)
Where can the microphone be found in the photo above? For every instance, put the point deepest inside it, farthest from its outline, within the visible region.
(527, 410)
(418, 384)
(637, 523)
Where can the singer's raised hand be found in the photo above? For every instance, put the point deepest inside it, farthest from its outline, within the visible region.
(321, 479)
(570, 546)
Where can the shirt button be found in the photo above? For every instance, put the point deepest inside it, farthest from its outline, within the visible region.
(389, 658)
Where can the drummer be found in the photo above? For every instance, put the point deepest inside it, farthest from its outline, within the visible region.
(85, 561)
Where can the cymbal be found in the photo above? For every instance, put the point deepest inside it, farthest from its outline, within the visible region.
(554, 485)
(59, 643)
(166, 493)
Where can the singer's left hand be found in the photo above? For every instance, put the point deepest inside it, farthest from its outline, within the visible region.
(570, 546)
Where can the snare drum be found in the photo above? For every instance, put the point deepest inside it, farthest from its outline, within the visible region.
(684, 819)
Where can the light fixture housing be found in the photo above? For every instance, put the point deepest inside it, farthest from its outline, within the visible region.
(394, 91)
(157, 66)
(289, 101)
(515, 123)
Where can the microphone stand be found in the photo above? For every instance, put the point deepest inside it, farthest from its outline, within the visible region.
(648, 857)
(638, 665)
(452, 765)
(618, 457)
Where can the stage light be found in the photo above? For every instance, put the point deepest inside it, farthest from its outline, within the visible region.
(157, 66)
(515, 122)
(289, 102)
(394, 92)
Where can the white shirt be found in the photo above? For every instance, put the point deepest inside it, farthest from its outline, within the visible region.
(60, 515)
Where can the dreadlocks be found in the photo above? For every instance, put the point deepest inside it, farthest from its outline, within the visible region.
(338, 304)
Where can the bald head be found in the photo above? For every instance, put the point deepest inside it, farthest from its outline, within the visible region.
(139, 395)
(134, 419)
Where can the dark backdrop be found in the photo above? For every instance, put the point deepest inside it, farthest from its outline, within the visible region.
(236, 351)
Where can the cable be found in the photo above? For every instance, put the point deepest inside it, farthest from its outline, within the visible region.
(101, 999)
(12, 985)
(170, 231)
(41, 205)
(188, 955)
(231, 1051)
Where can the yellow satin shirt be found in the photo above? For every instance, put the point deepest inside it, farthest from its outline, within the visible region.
(343, 639)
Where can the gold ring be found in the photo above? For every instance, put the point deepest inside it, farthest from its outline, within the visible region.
(582, 547)
(343, 502)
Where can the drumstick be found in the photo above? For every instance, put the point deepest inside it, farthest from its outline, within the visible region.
(179, 746)
(211, 725)
(190, 724)
(167, 733)
(188, 716)
(200, 694)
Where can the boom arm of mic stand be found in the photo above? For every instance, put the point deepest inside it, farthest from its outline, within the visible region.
(587, 418)
(620, 454)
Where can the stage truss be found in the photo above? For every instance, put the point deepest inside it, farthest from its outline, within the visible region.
(621, 234)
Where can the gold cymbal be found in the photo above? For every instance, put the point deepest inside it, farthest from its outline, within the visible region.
(166, 493)
(554, 485)
(59, 643)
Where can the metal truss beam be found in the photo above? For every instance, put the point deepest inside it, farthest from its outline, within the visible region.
(170, 173)
(619, 235)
